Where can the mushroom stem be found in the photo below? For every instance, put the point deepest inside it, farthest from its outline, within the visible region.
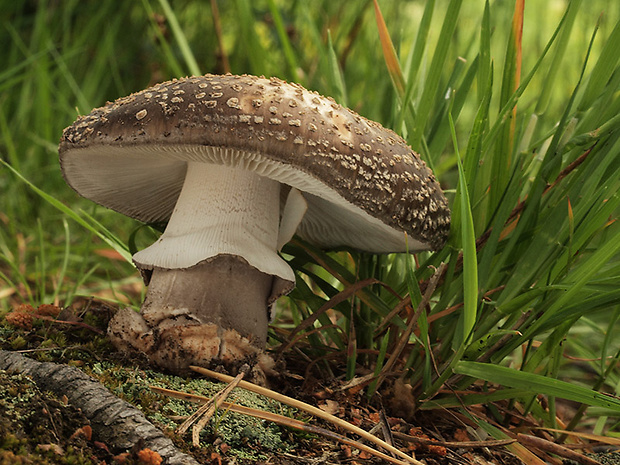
(212, 275)
(225, 291)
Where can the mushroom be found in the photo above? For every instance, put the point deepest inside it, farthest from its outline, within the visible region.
(236, 165)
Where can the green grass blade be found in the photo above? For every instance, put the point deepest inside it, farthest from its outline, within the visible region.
(558, 55)
(8, 141)
(459, 84)
(435, 71)
(552, 162)
(603, 69)
(502, 161)
(512, 101)
(65, 260)
(83, 104)
(586, 272)
(470, 265)
(475, 399)
(41, 263)
(171, 59)
(576, 282)
(250, 43)
(473, 156)
(379, 363)
(414, 60)
(485, 68)
(285, 42)
(339, 89)
(536, 384)
(417, 51)
(181, 39)
(17, 280)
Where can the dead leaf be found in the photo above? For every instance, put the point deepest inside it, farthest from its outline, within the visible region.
(215, 458)
(110, 254)
(122, 458)
(460, 435)
(55, 448)
(85, 432)
(101, 445)
(329, 406)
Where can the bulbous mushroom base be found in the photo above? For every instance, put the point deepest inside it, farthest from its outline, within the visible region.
(213, 312)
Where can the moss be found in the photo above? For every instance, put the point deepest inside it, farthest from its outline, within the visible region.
(18, 343)
(241, 432)
(9, 458)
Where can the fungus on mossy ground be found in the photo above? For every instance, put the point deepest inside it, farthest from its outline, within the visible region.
(236, 165)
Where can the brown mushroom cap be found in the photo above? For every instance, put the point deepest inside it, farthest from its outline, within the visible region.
(131, 155)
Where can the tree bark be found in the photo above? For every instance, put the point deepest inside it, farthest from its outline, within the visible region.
(114, 421)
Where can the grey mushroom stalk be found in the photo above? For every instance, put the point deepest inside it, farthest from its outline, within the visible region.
(236, 165)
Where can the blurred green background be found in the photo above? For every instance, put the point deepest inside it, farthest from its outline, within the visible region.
(63, 58)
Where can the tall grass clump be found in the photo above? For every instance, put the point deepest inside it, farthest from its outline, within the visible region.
(516, 109)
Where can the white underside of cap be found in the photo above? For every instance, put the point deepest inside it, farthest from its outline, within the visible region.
(148, 179)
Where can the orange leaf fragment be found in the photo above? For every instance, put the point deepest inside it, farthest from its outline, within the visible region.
(85, 432)
(149, 457)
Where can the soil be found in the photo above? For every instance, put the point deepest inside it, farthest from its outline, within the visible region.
(45, 420)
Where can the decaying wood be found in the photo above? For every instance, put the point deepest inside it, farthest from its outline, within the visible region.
(114, 421)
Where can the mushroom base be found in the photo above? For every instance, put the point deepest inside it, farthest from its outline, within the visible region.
(214, 311)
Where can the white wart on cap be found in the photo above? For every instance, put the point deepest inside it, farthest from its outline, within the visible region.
(214, 156)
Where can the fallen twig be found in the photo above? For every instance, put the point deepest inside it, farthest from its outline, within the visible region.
(201, 416)
(70, 323)
(404, 339)
(453, 444)
(553, 448)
